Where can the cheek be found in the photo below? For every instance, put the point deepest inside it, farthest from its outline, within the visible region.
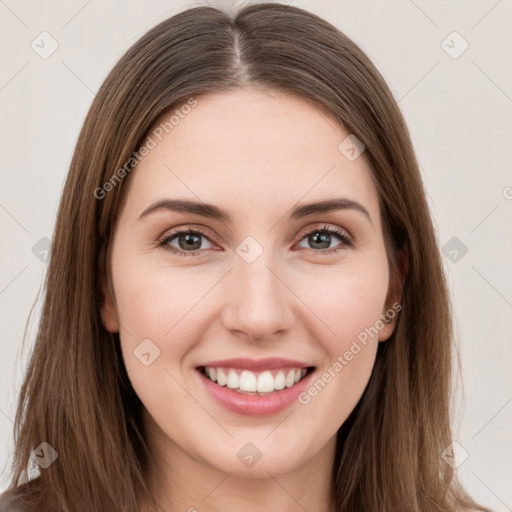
(163, 304)
(346, 301)
(153, 299)
(155, 307)
(347, 307)
(349, 348)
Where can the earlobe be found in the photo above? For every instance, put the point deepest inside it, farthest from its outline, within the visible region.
(108, 311)
(394, 298)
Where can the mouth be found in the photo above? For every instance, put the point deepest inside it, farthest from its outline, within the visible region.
(256, 383)
(251, 387)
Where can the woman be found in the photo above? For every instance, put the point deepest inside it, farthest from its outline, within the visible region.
(245, 305)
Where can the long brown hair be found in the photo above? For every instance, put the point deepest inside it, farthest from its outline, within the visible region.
(76, 395)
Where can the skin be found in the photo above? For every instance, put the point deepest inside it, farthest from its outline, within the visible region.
(255, 154)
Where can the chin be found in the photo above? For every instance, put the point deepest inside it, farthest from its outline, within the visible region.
(251, 462)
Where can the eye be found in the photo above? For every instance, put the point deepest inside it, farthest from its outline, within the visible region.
(189, 242)
(322, 238)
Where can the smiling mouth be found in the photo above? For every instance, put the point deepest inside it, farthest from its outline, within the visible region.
(255, 383)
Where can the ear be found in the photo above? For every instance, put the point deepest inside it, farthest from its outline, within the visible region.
(393, 303)
(108, 309)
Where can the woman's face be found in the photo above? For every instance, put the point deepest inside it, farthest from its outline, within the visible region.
(257, 290)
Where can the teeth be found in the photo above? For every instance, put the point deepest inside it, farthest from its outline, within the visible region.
(221, 378)
(265, 383)
(279, 381)
(290, 379)
(252, 383)
(247, 381)
(232, 379)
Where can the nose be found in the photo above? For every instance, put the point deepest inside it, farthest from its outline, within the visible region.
(260, 305)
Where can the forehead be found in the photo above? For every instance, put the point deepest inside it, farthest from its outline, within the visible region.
(253, 149)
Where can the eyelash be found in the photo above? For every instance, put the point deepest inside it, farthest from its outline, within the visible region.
(164, 241)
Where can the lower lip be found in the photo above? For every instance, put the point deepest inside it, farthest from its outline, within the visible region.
(254, 405)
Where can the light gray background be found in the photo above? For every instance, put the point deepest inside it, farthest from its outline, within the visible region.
(459, 111)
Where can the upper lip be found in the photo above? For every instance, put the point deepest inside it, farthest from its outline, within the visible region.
(269, 363)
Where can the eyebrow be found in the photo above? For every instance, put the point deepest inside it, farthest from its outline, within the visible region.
(214, 212)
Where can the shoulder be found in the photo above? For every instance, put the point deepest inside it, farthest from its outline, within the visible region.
(15, 499)
(10, 503)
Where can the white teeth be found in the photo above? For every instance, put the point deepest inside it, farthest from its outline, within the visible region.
(221, 378)
(247, 381)
(254, 383)
(232, 379)
(279, 381)
(290, 379)
(265, 382)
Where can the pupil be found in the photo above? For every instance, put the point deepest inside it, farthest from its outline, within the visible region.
(324, 239)
(190, 241)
